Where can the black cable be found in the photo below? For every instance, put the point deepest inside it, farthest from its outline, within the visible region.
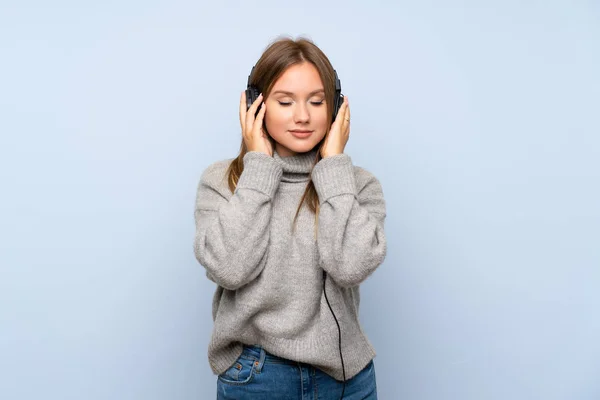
(339, 335)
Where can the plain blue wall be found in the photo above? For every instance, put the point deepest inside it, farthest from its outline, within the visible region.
(481, 119)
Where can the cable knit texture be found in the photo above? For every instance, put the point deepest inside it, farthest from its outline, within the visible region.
(269, 279)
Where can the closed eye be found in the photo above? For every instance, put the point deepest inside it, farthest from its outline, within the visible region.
(314, 103)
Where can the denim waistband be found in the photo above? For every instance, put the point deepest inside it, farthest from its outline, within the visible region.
(261, 354)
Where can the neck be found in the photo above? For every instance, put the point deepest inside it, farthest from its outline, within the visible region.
(296, 167)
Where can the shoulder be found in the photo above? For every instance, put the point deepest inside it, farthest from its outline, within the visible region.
(365, 178)
(215, 175)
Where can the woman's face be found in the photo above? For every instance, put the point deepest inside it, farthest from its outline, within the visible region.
(296, 114)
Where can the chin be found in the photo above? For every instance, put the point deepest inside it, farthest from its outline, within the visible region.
(300, 146)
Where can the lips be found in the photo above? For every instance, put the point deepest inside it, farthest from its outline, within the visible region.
(300, 133)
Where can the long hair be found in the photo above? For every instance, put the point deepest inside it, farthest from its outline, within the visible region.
(277, 57)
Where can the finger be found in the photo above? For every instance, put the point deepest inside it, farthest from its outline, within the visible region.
(243, 110)
(345, 111)
(347, 108)
(338, 118)
(258, 123)
(347, 114)
(252, 111)
(342, 111)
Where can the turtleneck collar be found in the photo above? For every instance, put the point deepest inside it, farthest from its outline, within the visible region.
(296, 168)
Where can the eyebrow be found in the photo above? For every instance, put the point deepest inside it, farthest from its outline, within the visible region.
(291, 94)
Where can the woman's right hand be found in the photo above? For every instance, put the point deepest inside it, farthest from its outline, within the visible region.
(255, 137)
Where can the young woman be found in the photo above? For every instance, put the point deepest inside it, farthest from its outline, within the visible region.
(288, 230)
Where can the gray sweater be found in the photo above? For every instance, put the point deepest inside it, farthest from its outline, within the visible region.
(270, 280)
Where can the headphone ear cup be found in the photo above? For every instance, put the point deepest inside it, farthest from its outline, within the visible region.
(338, 100)
(252, 94)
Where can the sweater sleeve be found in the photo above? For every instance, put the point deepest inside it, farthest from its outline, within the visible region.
(232, 234)
(351, 239)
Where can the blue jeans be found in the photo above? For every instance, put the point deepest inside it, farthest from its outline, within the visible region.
(259, 375)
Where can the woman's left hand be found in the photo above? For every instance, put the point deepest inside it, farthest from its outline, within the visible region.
(336, 140)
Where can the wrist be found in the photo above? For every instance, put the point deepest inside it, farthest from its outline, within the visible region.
(331, 153)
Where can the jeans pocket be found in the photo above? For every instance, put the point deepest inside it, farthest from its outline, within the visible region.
(240, 373)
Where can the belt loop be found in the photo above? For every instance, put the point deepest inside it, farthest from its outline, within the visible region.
(261, 360)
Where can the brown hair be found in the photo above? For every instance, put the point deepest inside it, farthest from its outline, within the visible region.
(277, 57)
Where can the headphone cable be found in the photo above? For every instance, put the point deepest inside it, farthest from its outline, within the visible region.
(339, 335)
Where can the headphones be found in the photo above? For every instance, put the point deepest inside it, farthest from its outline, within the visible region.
(252, 93)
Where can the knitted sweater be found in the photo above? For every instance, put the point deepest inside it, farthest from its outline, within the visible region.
(270, 279)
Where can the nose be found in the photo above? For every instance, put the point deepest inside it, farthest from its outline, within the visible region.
(301, 113)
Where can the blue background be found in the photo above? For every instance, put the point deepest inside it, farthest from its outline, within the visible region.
(481, 120)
